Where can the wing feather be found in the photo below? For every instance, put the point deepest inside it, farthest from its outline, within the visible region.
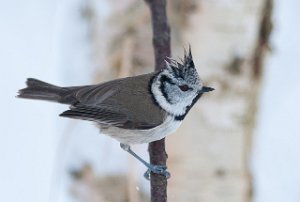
(106, 116)
(104, 103)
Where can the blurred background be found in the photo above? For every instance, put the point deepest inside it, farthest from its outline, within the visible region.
(238, 144)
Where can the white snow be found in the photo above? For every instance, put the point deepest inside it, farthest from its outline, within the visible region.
(26, 151)
(276, 158)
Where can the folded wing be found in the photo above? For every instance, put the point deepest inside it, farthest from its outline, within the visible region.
(124, 103)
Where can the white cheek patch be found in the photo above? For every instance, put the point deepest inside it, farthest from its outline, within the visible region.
(177, 109)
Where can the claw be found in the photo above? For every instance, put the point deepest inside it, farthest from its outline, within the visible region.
(167, 174)
(147, 174)
(157, 169)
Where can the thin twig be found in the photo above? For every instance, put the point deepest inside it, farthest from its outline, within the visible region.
(162, 48)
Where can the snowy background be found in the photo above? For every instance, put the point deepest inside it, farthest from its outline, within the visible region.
(276, 159)
(49, 40)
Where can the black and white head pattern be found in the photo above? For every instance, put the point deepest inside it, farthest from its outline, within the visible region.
(178, 86)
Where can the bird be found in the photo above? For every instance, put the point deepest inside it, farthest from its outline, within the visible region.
(133, 110)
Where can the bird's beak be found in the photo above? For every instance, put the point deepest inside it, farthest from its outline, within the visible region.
(206, 89)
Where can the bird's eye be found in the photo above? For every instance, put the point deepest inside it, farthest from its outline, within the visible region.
(184, 87)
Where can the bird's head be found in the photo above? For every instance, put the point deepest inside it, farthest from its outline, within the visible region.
(178, 86)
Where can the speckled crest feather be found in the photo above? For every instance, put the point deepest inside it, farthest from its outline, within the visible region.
(185, 68)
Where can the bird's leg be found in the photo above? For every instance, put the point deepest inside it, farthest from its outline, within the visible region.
(158, 169)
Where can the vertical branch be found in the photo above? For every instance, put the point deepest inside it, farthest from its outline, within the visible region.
(161, 31)
(161, 45)
(265, 30)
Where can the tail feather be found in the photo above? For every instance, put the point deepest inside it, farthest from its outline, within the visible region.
(40, 90)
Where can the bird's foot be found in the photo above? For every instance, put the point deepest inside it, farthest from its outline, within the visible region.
(157, 169)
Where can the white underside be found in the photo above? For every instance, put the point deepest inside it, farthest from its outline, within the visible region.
(142, 136)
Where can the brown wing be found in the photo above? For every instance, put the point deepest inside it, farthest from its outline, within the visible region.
(124, 103)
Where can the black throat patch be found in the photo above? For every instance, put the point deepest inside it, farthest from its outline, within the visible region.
(187, 109)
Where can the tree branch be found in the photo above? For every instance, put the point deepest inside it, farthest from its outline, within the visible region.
(162, 48)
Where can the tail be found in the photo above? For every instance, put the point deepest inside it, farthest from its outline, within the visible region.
(40, 90)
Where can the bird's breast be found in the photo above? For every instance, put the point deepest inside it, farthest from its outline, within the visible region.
(131, 137)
